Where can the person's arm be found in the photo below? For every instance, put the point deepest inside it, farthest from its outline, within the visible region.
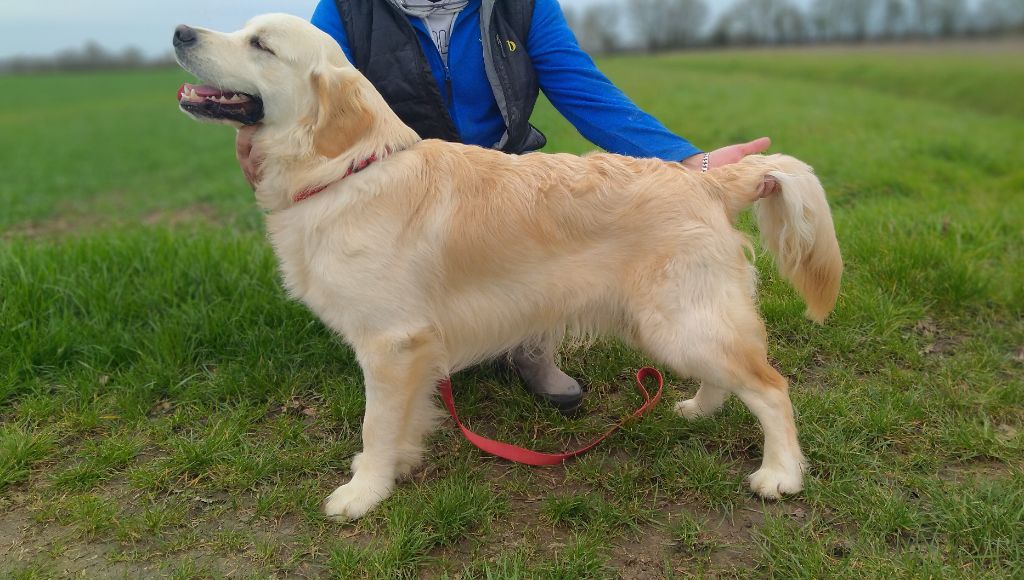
(601, 112)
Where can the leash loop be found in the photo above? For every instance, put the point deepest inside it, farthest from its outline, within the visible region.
(517, 454)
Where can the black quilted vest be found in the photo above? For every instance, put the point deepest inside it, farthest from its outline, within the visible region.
(387, 51)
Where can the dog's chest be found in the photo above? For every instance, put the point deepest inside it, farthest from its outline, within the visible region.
(346, 272)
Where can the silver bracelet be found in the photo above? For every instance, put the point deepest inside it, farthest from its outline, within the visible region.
(705, 162)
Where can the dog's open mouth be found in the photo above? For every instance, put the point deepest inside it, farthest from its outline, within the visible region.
(214, 103)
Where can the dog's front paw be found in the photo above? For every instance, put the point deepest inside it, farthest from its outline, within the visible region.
(354, 499)
(775, 482)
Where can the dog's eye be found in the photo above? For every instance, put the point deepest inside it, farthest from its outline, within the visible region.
(257, 43)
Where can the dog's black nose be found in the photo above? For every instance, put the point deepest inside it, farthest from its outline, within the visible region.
(184, 36)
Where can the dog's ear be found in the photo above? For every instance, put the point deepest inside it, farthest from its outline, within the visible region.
(341, 118)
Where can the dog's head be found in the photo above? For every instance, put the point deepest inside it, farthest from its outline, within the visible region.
(280, 71)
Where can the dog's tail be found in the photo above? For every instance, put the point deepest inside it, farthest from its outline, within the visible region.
(795, 224)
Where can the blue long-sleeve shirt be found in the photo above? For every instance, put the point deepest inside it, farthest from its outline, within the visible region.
(566, 74)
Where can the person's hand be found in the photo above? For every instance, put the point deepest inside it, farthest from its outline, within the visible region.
(734, 153)
(248, 157)
(729, 155)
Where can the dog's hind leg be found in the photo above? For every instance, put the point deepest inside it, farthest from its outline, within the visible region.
(723, 344)
(766, 393)
(400, 373)
(708, 401)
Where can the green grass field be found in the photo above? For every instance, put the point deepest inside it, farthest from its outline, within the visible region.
(166, 411)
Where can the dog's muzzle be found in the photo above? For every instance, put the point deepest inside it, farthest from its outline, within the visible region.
(208, 101)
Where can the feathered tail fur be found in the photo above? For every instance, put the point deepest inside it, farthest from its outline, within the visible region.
(795, 224)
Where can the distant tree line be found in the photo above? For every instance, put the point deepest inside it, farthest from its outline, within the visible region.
(656, 25)
(91, 56)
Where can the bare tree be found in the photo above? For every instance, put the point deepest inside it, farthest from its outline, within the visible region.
(762, 22)
(940, 18)
(1001, 16)
(951, 17)
(600, 28)
(895, 18)
(572, 18)
(132, 57)
(924, 17)
(668, 24)
(91, 56)
(822, 20)
(858, 16)
(790, 24)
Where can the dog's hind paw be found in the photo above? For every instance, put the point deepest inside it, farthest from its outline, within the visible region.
(405, 468)
(690, 410)
(354, 499)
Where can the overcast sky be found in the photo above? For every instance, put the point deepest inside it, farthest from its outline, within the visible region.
(41, 27)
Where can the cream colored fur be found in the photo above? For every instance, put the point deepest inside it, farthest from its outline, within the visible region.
(442, 255)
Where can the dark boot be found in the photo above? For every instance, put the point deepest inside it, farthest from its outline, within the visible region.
(536, 367)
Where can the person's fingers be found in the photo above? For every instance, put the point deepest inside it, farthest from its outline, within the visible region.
(246, 132)
(726, 156)
(250, 172)
(248, 158)
(756, 146)
(243, 141)
(242, 153)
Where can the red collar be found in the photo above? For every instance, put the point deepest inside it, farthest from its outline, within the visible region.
(355, 168)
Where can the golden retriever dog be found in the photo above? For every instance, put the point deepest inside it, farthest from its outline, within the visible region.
(428, 257)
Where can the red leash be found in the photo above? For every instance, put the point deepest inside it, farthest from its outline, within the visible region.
(518, 454)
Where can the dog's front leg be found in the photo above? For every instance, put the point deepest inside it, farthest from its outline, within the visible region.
(400, 374)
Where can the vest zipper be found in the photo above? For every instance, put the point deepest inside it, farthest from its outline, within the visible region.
(501, 46)
(447, 83)
(447, 79)
(448, 87)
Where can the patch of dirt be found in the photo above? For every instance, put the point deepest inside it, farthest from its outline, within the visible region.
(729, 549)
(731, 534)
(70, 222)
(63, 551)
(198, 213)
(725, 547)
(1006, 433)
(15, 526)
(978, 469)
(939, 342)
(646, 557)
(26, 542)
(51, 228)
